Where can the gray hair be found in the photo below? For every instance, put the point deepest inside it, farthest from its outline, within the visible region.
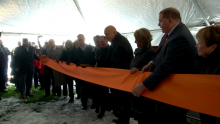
(103, 37)
(95, 38)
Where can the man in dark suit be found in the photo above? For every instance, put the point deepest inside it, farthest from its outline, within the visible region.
(84, 54)
(121, 57)
(176, 55)
(24, 64)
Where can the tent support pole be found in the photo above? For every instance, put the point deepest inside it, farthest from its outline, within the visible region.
(200, 11)
(79, 9)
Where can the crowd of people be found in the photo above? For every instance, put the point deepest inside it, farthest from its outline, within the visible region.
(177, 53)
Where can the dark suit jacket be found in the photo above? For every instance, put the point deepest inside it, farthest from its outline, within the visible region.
(176, 56)
(84, 57)
(24, 60)
(68, 55)
(122, 52)
(103, 56)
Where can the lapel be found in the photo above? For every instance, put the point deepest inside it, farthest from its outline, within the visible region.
(25, 50)
(173, 32)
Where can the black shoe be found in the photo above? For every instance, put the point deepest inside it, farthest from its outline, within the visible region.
(46, 96)
(116, 114)
(115, 120)
(93, 106)
(100, 115)
(3, 91)
(0, 98)
(97, 110)
(84, 107)
(71, 100)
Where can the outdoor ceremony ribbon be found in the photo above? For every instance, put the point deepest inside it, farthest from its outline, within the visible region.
(195, 92)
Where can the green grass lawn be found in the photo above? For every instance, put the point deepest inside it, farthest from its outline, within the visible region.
(38, 96)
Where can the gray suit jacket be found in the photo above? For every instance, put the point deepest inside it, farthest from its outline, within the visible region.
(176, 56)
(55, 55)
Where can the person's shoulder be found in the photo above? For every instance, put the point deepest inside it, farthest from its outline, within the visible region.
(59, 46)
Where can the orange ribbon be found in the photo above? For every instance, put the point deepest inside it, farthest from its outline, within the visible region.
(195, 92)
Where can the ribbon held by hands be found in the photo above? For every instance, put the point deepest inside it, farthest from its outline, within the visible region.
(195, 92)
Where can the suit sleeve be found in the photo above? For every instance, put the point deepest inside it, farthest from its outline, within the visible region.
(17, 58)
(176, 53)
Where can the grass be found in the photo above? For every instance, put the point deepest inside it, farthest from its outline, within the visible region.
(38, 96)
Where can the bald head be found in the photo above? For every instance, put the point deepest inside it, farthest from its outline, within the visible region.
(110, 32)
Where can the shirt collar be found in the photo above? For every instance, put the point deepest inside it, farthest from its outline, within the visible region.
(172, 30)
(83, 48)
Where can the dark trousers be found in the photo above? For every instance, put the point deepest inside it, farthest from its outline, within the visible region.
(101, 97)
(78, 92)
(6, 75)
(16, 78)
(121, 103)
(58, 90)
(146, 118)
(25, 79)
(169, 114)
(208, 119)
(48, 78)
(2, 80)
(41, 77)
(84, 88)
(35, 78)
(69, 81)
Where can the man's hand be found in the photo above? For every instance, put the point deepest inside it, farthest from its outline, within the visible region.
(68, 62)
(138, 89)
(16, 69)
(133, 70)
(44, 56)
(147, 67)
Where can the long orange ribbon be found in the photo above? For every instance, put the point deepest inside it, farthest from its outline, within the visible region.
(195, 92)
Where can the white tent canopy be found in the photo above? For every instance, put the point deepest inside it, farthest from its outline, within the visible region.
(90, 17)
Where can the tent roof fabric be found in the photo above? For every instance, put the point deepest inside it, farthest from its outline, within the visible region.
(71, 17)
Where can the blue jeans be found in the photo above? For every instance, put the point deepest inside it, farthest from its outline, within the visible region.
(25, 78)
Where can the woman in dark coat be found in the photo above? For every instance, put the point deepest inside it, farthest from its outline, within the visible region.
(209, 59)
(69, 56)
(143, 55)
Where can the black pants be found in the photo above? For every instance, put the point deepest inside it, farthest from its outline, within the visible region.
(35, 78)
(84, 91)
(121, 103)
(78, 92)
(69, 81)
(146, 118)
(16, 79)
(2, 80)
(48, 78)
(169, 114)
(101, 97)
(58, 90)
(41, 77)
(208, 119)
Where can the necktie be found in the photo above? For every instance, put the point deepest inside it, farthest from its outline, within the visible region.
(54, 50)
(164, 40)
